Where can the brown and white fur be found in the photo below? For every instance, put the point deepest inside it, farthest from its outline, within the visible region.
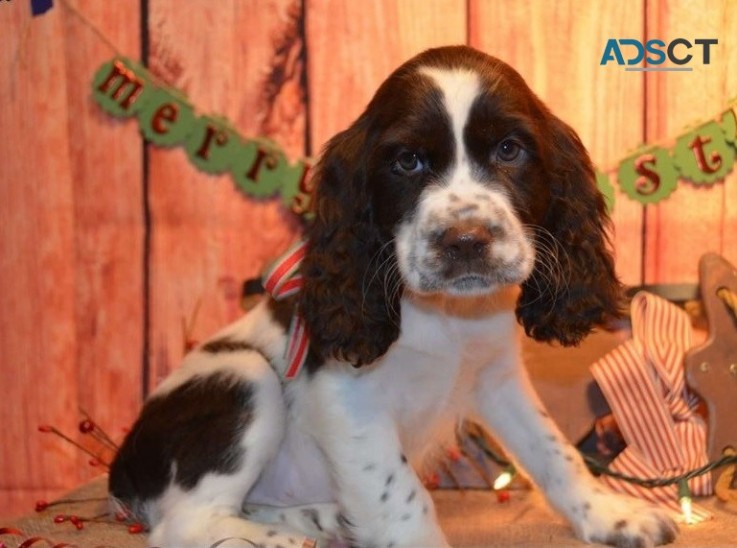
(455, 202)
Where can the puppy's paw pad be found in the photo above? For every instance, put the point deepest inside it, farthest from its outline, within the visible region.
(628, 523)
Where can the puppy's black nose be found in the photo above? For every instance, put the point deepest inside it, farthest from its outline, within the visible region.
(465, 242)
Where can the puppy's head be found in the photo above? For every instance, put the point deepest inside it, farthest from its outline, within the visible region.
(456, 180)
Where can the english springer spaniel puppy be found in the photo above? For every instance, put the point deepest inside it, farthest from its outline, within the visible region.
(454, 203)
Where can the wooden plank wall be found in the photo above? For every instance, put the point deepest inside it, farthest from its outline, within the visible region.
(693, 220)
(109, 245)
(72, 232)
(205, 237)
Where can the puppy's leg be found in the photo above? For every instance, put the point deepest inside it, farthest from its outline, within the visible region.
(509, 405)
(207, 517)
(319, 521)
(381, 500)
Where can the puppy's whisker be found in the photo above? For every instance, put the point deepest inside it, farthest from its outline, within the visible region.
(550, 281)
(395, 296)
(392, 288)
(378, 256)
(551, 275)
(379, 268)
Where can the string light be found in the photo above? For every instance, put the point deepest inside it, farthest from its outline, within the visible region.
(684, 499)
(488, 451)
(599, 468)
(684, 493)
(505, 478)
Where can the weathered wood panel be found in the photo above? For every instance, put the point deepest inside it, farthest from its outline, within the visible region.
(241, 60)
(106, 161)
(354, 46)
(694, 219)
(556, 46)
(729, 82)
(70, 267)
(37, 328)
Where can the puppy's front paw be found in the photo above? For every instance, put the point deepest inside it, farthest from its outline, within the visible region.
(622, 521)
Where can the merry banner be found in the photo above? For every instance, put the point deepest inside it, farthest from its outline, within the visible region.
(259, 167)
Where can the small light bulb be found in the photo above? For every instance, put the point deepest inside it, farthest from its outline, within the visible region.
(504, 479)
(684, 498)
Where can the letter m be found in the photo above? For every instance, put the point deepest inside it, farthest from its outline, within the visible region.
(117, 88)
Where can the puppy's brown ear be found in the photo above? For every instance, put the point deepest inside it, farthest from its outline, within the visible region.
(350, 299)
(573, 286)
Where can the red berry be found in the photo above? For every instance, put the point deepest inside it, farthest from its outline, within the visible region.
(432, 481)
(502, 496)
(41, 505)
(86, 426)
(454, 454)
(135, 528)
(45, 428)
(60, 518)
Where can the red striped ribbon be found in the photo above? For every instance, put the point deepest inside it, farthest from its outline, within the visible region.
(643, 382)
(282, 280)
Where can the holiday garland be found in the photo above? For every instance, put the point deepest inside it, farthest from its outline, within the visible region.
(259, 167)
(703, 155)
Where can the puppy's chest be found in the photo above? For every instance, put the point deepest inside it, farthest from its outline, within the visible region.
(431, 389)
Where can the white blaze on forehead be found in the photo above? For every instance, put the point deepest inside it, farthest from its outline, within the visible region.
(460, 87)
(461, 194)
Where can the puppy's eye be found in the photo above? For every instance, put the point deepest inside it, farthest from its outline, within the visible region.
(408, 163)
(508, 150)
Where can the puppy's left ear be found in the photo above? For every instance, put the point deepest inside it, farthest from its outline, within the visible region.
(573, 286)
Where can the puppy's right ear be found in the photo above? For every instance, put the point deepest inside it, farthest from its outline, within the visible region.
(343, 301)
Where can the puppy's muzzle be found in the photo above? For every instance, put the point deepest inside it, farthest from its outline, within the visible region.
(464, 249)
(465, 242)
